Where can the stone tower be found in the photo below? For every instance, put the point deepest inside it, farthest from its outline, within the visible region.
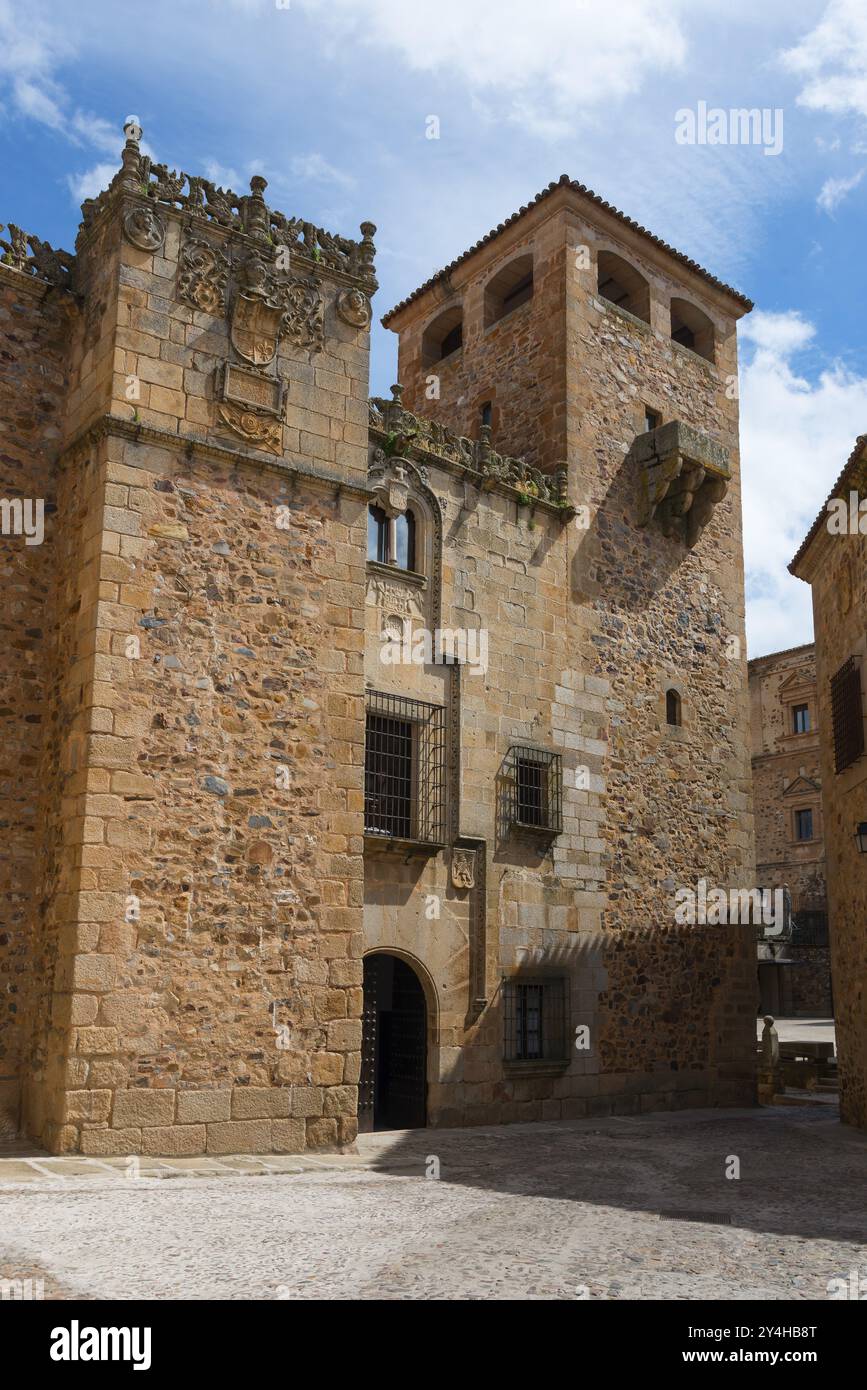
(182, 708)
(574, 339)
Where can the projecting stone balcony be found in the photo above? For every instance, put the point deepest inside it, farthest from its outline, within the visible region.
(684, 474)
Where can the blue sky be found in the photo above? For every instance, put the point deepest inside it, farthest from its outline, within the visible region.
(330, 100)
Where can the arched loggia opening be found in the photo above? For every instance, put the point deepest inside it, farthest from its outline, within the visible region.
(393, 1086)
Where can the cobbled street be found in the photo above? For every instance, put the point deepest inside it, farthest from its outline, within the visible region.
(619, 1208)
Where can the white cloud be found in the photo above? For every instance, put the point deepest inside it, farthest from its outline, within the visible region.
(833, 191)
(91, 182)
(30, 52)
(313, 168)
(796, 434)
(547, 59)
(777, 334)
(222, 176)
(831, 60)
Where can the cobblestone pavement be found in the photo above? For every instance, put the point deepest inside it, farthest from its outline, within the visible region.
(622, 1208)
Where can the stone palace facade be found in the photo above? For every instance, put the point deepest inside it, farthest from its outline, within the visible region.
(354, 750)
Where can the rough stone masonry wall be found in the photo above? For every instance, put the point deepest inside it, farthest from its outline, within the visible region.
(199, 987)
(515, 363)
(677, 1004)
(33, 330)
(651, 613)
(224, 1016)
(838, 573)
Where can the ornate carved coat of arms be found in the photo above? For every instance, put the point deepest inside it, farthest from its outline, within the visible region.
(255, 327)
(463, 868)
(268, 307)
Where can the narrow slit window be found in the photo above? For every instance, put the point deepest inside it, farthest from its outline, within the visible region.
(672, 708)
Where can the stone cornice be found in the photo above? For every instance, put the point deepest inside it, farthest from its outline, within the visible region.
(113, 426)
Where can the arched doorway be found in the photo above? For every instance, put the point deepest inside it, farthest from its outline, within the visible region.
(393, 1046)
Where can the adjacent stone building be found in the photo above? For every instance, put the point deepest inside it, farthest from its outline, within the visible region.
(794, 962)
(833, 561)
(355, 751)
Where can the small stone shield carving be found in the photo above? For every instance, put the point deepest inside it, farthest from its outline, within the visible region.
(144, 229)
(255, 328)
(463, 868)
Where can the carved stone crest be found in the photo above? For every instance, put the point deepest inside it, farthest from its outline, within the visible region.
(267, 307)
(463, 868)
(392, 489)
(255, 328)
(144, 228)
(353, 306)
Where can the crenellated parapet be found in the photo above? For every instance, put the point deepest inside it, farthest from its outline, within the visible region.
(27, 254)
(397, 431)
(206, 203)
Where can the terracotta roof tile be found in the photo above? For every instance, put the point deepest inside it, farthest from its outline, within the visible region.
(844, 479)
(563, 182)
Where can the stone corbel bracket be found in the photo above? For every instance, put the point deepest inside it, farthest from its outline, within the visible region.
(683, 475)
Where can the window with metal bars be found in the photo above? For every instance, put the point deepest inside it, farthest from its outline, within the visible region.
(535, 1020)
(810, 928)
(847, 715)
(404, 772)
(536, 789)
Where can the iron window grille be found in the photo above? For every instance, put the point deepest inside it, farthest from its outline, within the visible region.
(535, 1020)
(847, 715)
(536, 786)
(810, 928)
(404, 769)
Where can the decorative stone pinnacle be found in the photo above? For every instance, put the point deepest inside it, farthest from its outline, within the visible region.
(132, 130)
(130, 173)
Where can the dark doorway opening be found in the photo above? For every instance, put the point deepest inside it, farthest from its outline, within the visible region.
(392, 1093)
